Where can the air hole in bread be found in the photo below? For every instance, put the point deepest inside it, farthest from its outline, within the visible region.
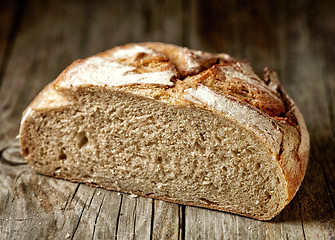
(265, 212)
(224, 169)
(25, 151)
(82, 140)
(158, 159)
(244, 90)
(278, 181)
(199, 147)
(235, 153)
(202, 136)
(248, 151)
(258, 166)
(97, 152)
(268, 195)
(62, 156)
(42, 153)
(57, 169)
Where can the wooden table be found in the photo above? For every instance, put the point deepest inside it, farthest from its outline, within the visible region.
(38, 39)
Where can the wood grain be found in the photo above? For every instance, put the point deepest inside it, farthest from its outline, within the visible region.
(8, 24)
(38, 39)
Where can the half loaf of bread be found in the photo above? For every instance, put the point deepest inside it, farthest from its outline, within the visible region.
(175, 124)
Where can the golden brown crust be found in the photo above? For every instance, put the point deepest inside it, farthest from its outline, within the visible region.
(144, 62)
(187, 61)
(193, 67)
(298, 153)
(251, 92)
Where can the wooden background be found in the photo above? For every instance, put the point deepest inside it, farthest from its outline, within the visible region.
(38, 39)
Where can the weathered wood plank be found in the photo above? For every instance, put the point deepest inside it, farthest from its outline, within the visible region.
(323, 39)
(9, 24)
(127, 217)
(166, 221)
(28, 202)
(107, 220)
(287, 225)
(134, 220)
(330, 144)
(208, 224)
(143, 218)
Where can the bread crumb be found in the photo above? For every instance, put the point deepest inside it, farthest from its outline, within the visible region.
(133, 196)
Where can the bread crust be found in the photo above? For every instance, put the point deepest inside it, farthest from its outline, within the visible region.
(278, 121)
(141, 194)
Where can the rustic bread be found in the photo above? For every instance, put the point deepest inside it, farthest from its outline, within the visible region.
(167, 122)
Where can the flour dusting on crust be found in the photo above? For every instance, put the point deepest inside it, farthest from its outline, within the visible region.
(132, 51)
(107, 72)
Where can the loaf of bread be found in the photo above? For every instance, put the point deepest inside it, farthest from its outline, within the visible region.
(170, 123)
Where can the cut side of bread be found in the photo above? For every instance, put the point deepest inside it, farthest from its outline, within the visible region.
(171, 123)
